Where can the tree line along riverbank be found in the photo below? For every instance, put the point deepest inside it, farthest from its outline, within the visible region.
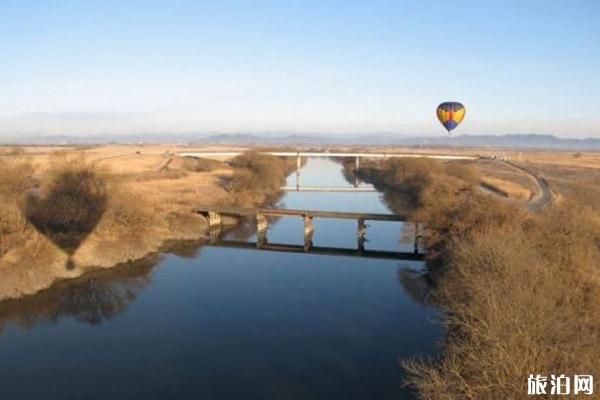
(520, 291)
(70, 214)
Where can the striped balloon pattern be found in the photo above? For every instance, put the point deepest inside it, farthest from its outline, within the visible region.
(450, 114)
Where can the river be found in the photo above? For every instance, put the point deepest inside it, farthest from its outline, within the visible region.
(218, 323)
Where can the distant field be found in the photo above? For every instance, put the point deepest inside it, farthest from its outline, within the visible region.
(567, 172)
(121, 157)
(141, 167)
(142, 163)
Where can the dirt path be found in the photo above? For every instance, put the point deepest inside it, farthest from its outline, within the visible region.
(543, 195)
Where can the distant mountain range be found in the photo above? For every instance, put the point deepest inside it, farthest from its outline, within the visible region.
(525, 141)
(529, 141)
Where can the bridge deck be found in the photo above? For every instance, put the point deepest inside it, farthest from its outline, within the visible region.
(279, 212)
(327, 154)
(328, 189)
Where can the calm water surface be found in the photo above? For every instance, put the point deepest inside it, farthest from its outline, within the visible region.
(217, 323)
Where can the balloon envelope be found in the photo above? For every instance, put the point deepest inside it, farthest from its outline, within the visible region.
(450, 114)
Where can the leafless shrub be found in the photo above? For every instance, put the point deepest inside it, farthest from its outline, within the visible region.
(200, 164)
(257, 175)
(15, 178)
(462, 170)
(520, 299)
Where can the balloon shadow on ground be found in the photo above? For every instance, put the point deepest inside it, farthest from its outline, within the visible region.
(70, 209)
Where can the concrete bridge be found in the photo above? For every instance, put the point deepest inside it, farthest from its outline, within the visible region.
(298, 154)
(259, 216)
(353, 189)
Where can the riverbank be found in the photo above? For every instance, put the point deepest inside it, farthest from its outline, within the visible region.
(520, 290)
(65, 213)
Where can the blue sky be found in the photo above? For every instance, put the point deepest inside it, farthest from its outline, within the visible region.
(92, 67)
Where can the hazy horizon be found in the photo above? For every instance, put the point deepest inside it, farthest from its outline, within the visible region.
(379, 138)
(120, 68)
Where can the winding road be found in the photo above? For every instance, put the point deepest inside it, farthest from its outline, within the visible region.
(543, 195)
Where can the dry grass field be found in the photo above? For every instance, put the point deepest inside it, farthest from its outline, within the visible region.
(69, 210)
(567, 172)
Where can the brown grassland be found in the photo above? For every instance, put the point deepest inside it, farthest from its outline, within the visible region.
(520, 291)
(68, 211)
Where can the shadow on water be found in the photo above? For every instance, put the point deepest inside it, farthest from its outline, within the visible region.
(92, 298)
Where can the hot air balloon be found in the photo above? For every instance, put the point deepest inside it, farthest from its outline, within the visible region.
(450, 114)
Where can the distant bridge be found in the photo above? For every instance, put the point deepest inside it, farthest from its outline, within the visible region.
(344, 189)
(213, 215)
(205, 154)
(299, 154)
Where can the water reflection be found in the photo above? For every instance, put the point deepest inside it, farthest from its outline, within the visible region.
(184, 248)
(416, 283)
(101, 295)
(93, 298)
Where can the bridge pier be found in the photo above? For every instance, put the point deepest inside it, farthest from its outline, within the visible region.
(308, 241)
(214, 219)
(261, 239)
(309, 227)
(298, 166)
(261, 223)
(417, 237)
(356, 167)
(214, 235)
(309, 230)
(262, 226)
(361, 234)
